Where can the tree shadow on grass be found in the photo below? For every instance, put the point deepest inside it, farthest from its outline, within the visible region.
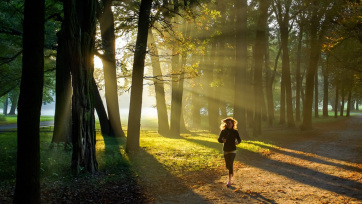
(298, 173)
(160, 183)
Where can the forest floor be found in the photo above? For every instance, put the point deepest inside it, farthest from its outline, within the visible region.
(323, 165)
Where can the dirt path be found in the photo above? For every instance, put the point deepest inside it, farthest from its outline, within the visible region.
(320, 166)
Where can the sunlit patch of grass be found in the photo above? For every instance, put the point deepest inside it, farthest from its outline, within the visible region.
(256, 147)
(180, 155)
(8, 119)
(46, 118)
(12, 119)
(191, 152)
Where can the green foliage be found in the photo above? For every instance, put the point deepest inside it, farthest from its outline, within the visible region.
(11, 17)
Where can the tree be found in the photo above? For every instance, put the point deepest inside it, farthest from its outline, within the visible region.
(63, 90)
(259, 59)
(298, 67)
(134, 118)
(79, 19)
(320, 16)
(241, 63)
(176, 95)
(213, 112)
(283, 17)
(163, 126)
(106, 22)
(13, 96)
(27, 189)
(106, 127)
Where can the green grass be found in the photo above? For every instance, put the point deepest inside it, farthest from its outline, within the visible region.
(11, 119)
(55, 162)
(187, 153)
(190, 152)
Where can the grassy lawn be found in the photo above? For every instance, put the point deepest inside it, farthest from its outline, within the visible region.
(10, 119)
(187, 153)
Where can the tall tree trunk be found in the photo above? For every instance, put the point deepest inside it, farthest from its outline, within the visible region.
(177, 85)
(195, 95)
(109, 67)
(14, 103)
(63, 90)
(213, 113)
(349, 102)
(297, 74)
(27, 189)
(269, 79)
(357, 105)
(282, 102)
(316, 114)
(325, 88)
(180, 91)
(175, 96)
(80, 24)
(163, 126)
(336, 102)
(134, 117)
(286, 74)
(342, 99)
(311, 71)
(6, 102)
(241, 64)
(106, 127)
(283, 21)
(258, 57)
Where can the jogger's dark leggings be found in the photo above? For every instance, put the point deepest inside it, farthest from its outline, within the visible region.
(229, 161)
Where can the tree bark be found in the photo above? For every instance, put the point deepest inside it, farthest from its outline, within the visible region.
(163, 126)
(176, 95)
(27, 189)
(349, 102)
(109, 67)
(325, 88)
(336, 102)
(134, 117)
(286, 74)
(211, 103)
(240, 64)
(6, 102)
(195, 95)
(283, 21)
(258, 57)
(316, 114)
(14, 103)
(298, 77)
(79, 17)
(63, 90)
(106, 128)
(342, 98)
(311, 71)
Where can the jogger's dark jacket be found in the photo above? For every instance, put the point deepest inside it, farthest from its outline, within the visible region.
(230, 135)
